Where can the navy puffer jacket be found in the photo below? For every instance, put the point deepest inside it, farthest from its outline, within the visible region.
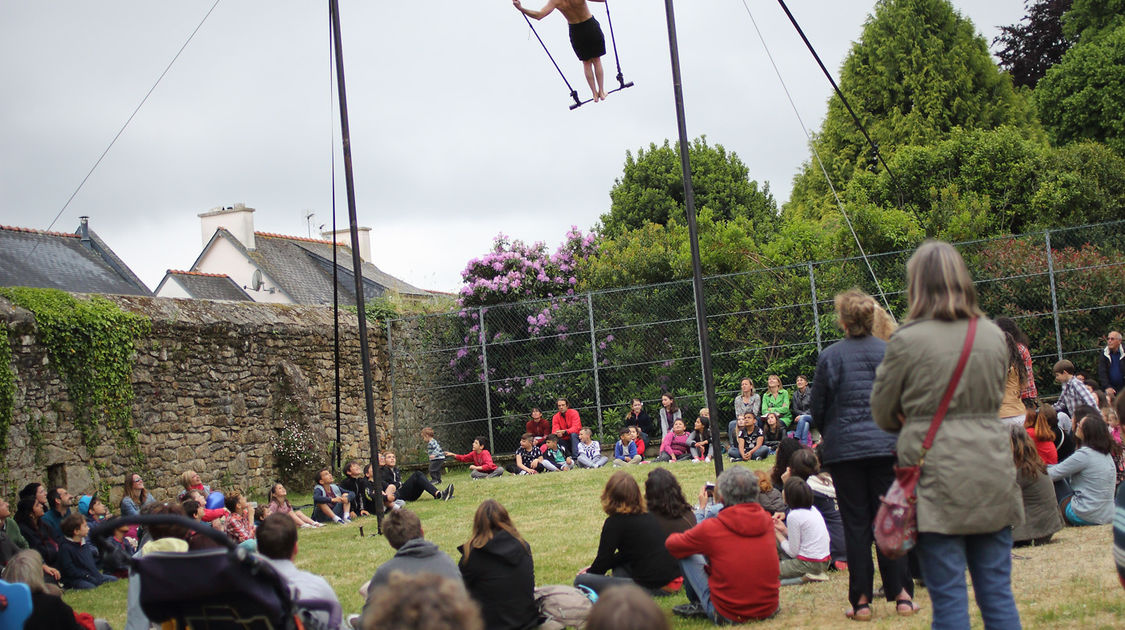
(841, 401)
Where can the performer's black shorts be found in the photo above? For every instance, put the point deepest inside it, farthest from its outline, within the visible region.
(587, 40)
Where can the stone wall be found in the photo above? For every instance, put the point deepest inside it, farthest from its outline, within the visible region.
(214, 382)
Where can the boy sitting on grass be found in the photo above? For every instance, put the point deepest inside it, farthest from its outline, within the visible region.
(625, 451)
(553, 457)
(76, 558)
(482, 466)
(529, 461)
(590, 450)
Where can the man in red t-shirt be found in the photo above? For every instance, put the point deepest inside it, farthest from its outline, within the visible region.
(538, 426)
(741, 579)
(565, 425)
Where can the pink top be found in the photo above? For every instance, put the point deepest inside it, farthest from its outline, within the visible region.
(280, 508)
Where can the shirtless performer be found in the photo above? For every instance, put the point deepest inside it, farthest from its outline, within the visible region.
(585, 37)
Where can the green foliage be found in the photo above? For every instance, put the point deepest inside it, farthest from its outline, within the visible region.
(651, 189)
(1083, 96)
(90, 342)
(7, 386)
(1089, 19)
(982, 182)
(918, 72)
(659, 253)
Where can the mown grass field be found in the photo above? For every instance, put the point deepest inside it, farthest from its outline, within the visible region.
(1070, 583)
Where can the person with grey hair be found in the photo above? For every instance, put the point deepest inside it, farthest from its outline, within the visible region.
(48, 610)
(741, 581)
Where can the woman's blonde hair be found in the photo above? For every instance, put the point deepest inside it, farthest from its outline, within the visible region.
(26, 567)
(622, 495)
(856, 312)
(938, 284)
(186, 478)
(885, 324)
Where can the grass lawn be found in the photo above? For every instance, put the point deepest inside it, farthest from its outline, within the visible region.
(1070, 583)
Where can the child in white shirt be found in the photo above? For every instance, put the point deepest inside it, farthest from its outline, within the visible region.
(802, 536)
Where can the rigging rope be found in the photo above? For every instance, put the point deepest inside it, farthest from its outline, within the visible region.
(130, 119)
(840, 93)
(617, 59)
(816, 155)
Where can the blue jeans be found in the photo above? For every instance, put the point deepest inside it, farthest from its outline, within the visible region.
(989, 560)
(802, 424)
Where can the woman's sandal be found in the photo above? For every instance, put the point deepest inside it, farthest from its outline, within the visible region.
(910, 609)
(861, 612)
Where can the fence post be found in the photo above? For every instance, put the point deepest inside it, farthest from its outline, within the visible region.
(594, 354)
(815, 308)
(1054, 294)
(487, 389)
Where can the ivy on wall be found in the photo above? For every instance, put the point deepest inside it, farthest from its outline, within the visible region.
(7, 386)
(91, 344)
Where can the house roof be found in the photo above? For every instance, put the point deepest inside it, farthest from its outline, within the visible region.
(207, 286)
(302, 267)
(57, 260)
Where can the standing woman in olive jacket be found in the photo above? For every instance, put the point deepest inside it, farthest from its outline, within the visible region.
(859, 454)
(967, 494)
(498, 571)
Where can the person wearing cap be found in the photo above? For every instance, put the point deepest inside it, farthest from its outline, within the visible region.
(92, 509)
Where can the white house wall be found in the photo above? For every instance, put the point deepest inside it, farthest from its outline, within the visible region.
(223, 257)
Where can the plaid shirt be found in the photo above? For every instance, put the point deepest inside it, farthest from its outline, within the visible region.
(1029, 392)
(1074, 395)
(239, 528)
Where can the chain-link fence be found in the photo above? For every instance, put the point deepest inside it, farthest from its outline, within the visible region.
(480, 371)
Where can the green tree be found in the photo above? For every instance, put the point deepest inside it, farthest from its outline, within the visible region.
(1087, 19)
(982, 182)
(659, 253)
(1083, 96)
(651, 189)
(918, 71)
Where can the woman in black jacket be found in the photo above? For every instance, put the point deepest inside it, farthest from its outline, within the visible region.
(498, 570)
(631, 543)
(29, 517)
(859, 455)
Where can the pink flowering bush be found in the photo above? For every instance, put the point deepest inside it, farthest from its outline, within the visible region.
(515, 270)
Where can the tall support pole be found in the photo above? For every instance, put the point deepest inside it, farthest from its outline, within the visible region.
(693, 234)
(357, 264)
(815, 308)
(1054, 294)
(484, 379)
(594, 359)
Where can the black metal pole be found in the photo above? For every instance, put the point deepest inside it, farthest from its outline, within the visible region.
(357, 268)
(335, 264)
(693, 235)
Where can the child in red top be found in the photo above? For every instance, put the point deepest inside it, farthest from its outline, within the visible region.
(482, 465)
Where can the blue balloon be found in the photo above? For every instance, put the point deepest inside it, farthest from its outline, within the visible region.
(216, 500)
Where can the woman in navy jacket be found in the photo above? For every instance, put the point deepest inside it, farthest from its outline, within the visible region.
(859, 455)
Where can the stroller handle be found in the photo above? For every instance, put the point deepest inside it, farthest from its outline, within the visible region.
(105, 529)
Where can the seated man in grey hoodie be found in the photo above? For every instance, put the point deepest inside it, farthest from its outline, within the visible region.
(415, 554)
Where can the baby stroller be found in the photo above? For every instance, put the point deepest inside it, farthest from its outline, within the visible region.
(214, 589)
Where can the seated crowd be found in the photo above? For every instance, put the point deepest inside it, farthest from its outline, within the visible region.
(749, 534)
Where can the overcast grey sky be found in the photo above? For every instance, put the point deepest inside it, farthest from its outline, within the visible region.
(460, 127)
